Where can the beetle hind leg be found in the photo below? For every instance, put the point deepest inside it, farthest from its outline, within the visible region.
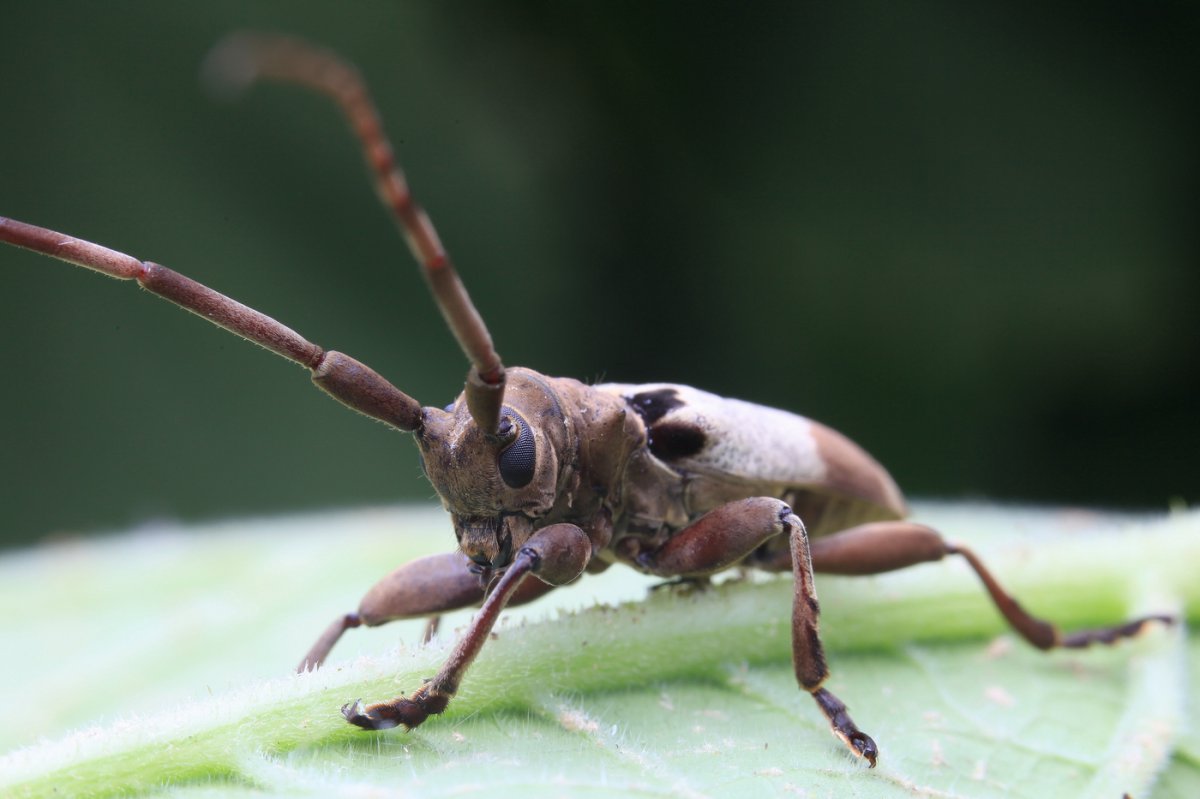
(881, 547)
(1043, 634)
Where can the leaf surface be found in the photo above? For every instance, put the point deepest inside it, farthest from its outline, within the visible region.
(175, 646)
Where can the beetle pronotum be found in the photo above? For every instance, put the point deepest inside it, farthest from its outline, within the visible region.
(547, 478)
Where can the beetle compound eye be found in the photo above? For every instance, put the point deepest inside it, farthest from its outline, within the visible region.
(517, 460)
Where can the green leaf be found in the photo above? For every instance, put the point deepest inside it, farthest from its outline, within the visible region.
(175, 645)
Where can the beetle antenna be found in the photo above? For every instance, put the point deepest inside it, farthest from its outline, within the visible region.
(242, 58)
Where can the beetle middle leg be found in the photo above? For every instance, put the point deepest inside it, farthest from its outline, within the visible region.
(555, 555)
(725, 536)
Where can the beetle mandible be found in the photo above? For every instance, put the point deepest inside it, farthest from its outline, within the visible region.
(547, 478)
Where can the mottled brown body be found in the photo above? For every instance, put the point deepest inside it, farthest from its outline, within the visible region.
(549, 478)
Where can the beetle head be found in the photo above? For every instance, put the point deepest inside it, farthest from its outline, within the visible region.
(498, 485)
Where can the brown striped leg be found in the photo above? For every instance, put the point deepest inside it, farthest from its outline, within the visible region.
(425, 587)
(715, 541)
(556, 555)
(1043, 634)
(727, 535)
(888, 546)
(808, 656)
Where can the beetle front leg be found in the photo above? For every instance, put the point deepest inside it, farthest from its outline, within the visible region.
(425, 587)
(556, 555)
(726, 535)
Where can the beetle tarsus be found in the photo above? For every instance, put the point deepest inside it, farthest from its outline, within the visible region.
(356, 713)
(1111, 635)
(857, 741)
(403, 711)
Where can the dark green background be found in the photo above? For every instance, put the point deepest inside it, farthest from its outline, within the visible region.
(964, 234)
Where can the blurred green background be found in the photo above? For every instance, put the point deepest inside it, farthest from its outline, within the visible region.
(964, 234)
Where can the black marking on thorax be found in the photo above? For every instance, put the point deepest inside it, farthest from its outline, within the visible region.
(654, 405)
(671, 440)
(668, 439)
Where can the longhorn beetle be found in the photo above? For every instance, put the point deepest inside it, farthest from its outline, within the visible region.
(546, 478)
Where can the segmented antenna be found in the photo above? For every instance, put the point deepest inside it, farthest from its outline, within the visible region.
(243, 58)
(347, 380)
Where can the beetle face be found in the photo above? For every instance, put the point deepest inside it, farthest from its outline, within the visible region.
(497, 487)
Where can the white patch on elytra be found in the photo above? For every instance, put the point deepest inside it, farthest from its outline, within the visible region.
(742, 439)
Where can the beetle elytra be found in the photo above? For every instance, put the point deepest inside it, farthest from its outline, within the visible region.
(547, 478)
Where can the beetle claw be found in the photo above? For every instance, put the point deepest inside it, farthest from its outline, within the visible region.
(360, 715)
(862, 745)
